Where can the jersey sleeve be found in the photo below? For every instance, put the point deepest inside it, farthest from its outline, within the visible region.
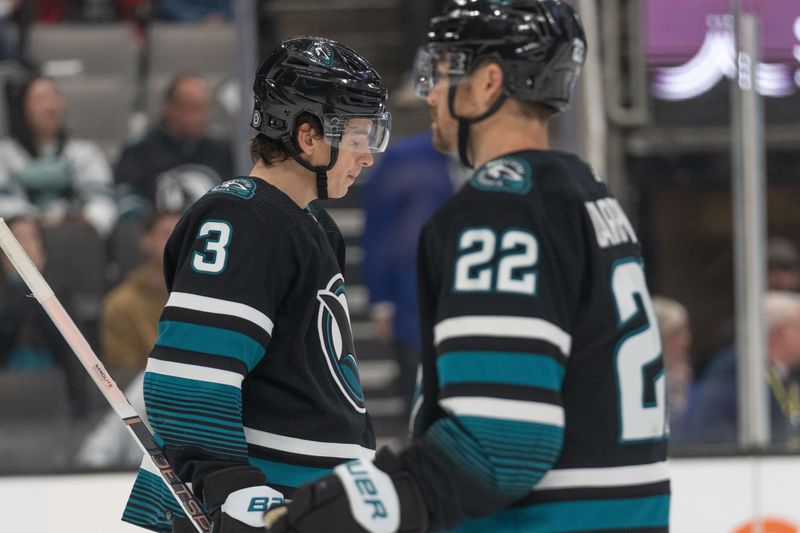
(227, 282)
(497, 297)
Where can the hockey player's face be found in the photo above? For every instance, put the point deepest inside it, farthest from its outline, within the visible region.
(354, 154)
(474, 94)
(466, 104)
(443, 125)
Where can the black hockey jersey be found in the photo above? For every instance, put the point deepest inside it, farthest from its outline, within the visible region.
(542, 405)
(254, 360)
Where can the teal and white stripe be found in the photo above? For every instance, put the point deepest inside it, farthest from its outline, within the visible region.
(217, 306)
(503, 326)
(313, 448)
(618, 476)
(506, 368)
(199, 373)
(210, 340)
(188, 412)
(504, 409)
(507, 457)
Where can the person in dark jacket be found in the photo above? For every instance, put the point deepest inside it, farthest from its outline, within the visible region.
(714, 417)
(409, 183)
(178, 160)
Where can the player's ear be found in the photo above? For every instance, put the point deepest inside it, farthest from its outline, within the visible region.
(492, 81)
(306, 138)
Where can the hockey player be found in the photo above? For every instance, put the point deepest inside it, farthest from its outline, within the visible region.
(542, 399)
(254, 374)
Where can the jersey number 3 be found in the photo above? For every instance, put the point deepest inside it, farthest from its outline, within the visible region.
(216, 235)
(482, 266)
(640, 380)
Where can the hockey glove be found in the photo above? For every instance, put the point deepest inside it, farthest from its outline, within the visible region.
(360, 497)
(237, 498)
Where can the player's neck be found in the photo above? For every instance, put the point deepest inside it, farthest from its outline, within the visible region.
(290, 178)
(505, 133)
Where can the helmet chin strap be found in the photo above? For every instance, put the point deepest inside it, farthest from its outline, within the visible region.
(320, 171)
(464, 122)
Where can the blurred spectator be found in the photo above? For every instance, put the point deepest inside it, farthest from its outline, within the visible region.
(715, 415)
(783, 265)
(676, 343)
(177, 161)
(408, 184)
(130, 314)
(29, 341)
(41, 165)
(15, 20)
(783, 274)
(193, 10)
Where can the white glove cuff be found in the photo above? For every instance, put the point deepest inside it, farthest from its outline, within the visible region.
(249, 505)
(372, 496)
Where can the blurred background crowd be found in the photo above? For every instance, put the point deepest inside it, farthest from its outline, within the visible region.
(115, 115)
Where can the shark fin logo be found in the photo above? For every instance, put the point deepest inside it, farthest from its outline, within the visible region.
(321, 53)
(242, 187)
(336, 341)
(507, 174)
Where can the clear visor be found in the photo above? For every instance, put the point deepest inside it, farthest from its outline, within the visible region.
(358, 133)
(433, 64)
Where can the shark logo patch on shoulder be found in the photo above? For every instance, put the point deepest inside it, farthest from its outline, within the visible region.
(507, 174)
(241, 187)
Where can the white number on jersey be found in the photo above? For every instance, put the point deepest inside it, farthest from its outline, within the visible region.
(639, 419)
(515, 273)
(217, 236)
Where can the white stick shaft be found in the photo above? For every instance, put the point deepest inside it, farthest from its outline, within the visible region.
(23, 264)
(116, 398)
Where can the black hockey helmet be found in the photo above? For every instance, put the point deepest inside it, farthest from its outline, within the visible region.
(539, 44)
(327, 80)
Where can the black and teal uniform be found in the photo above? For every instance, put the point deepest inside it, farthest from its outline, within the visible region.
(254, 360)
(542, 403)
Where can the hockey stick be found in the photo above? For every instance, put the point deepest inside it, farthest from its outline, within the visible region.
(115, 397)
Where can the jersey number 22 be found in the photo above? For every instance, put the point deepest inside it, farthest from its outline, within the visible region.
(513, 271)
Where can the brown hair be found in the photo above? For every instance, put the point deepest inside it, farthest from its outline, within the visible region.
(270, 151)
